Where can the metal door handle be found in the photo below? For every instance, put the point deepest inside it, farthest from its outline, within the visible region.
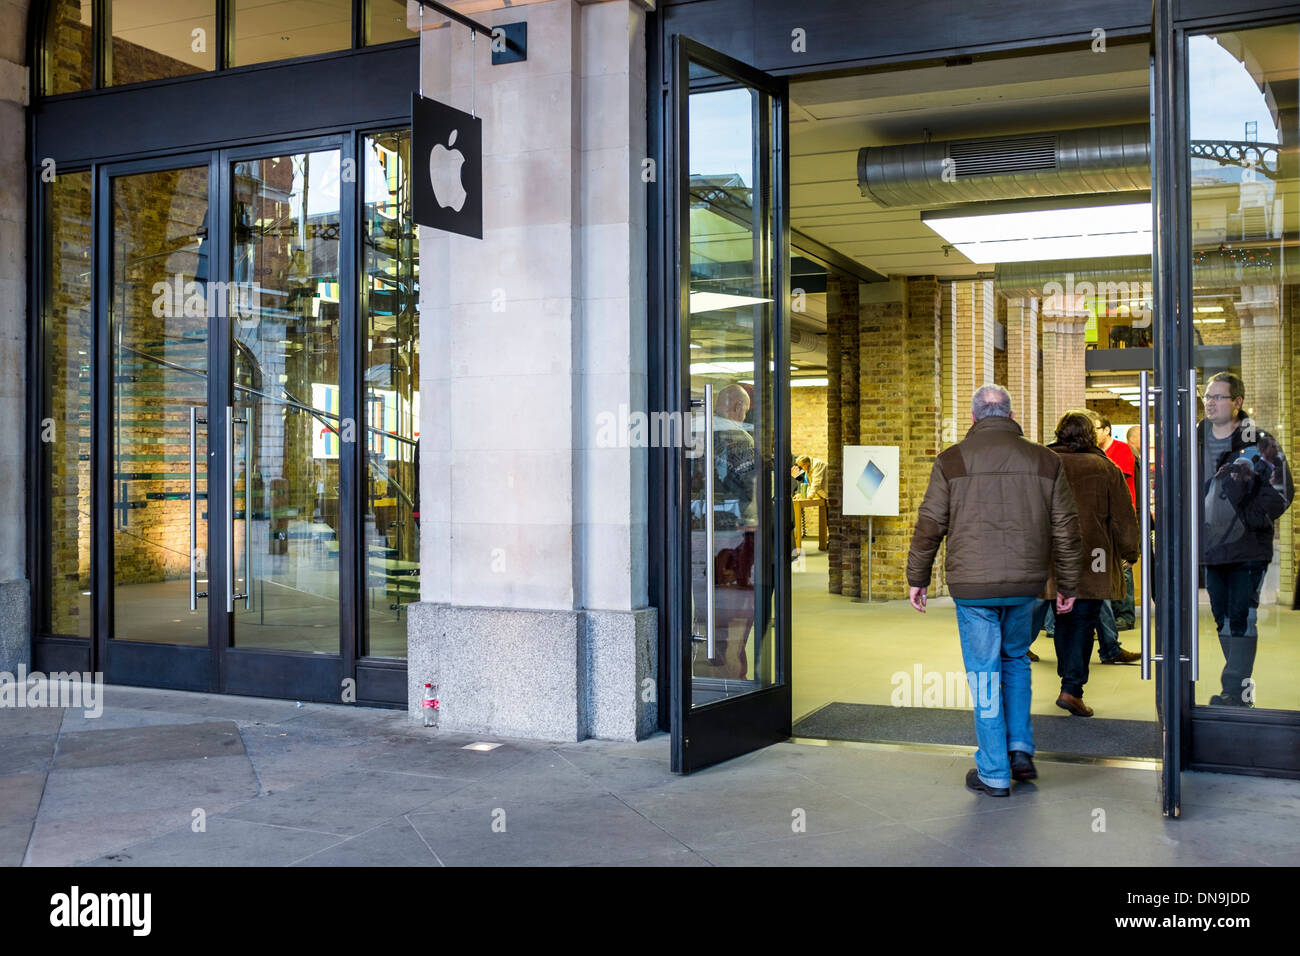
(231, 594)
(1144, 519)
(248, 510)
(195, 593)
(1194, 536)
(710, 638)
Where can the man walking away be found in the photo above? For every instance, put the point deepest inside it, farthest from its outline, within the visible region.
(1004, 504)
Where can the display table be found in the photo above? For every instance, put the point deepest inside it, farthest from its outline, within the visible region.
(801, 505)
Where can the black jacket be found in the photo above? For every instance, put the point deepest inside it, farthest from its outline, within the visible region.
(1258, 491)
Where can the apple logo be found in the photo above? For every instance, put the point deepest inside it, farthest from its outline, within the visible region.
(444, 172)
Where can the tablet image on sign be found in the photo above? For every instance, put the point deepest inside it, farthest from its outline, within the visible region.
(870, 480)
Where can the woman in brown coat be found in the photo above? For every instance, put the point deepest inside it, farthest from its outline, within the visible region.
(1109, 531)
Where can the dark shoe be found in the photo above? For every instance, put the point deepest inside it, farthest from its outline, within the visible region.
(1123, 657)
(1073, 704)
(1032, 656)
(975, 785)
(1229, 700)
(1022, 766)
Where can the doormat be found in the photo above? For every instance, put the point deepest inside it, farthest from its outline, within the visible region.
(1090, 736)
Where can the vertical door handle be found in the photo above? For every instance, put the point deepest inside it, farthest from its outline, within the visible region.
(231, 594)
(1194, 535)
(248, 509)
(709, 497)
(230, 509)
(1144, 518)
(194, 508)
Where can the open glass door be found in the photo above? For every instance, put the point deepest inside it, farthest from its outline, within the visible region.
(1242, 132)
(730, 655)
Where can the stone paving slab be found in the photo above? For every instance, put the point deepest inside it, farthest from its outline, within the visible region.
(318, 785)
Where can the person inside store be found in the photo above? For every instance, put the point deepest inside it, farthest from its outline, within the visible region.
(1003, 504)
(809, 481)
(1109, 532)
(1117, 615)
(1246, 486)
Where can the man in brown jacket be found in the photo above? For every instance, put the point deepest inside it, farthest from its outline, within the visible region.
(1005, 506)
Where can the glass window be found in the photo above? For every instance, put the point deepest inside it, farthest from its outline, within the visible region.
(156, 39)
(69, 61)
(1245, 312)
(265, 30)
(391, 317)
(65, 426)
(386, 21)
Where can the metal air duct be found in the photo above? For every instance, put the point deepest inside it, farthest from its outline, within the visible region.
(1103, 159)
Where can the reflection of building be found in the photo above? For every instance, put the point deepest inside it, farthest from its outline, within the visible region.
(393, 518)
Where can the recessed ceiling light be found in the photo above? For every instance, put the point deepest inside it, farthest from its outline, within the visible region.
(1087, 232)
(714, 301)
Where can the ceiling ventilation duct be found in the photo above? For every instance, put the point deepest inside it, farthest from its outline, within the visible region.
(1069, 162)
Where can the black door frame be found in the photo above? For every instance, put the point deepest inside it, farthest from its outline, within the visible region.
(709, 733)
(1257, 742)
(1194, 738)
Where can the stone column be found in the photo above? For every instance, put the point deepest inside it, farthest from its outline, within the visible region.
(15, 602)
(533, 615)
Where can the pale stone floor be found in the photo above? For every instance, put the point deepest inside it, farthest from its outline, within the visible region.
(324, 785)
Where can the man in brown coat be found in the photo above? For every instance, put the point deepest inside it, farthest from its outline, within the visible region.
(1109, 530)
(1005, 507)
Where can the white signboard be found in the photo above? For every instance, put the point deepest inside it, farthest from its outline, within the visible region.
(870, 480)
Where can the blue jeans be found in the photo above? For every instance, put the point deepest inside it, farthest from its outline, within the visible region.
(1107, 632)
(994, 642)
(1234, 596)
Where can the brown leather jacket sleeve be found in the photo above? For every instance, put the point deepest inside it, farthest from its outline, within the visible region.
(1067, 545)
(931, 526)
(1124, 531)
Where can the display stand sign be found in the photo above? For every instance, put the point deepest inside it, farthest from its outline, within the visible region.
(870, 487)
(447, 167)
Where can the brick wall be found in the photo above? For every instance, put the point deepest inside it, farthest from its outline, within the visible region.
(842, 410)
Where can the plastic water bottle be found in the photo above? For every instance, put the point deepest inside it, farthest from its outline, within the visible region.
(430, 705)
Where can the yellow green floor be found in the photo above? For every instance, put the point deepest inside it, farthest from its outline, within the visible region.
(848, 651)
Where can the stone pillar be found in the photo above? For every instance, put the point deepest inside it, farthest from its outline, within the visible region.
(1064, 372)
(533, 616)
(1022, 362)
(15, 601)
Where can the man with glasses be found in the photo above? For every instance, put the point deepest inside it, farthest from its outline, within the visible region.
(1246, 486)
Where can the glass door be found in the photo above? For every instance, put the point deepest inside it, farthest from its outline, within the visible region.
(1242, 328)
(290, 436)
(157, 460)
(730, 659)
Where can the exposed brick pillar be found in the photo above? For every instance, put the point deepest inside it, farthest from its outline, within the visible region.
(883, 420)
(1022, 362)
(842, 410)
(1064, 372)
(971, 307)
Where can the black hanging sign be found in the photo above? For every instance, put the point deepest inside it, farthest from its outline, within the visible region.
(446, 167)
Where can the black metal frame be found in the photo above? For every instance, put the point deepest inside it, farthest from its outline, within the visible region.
(1195, 737)
(706, 734)
(57, 128)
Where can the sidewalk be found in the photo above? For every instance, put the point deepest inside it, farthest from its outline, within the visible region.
(279, 784)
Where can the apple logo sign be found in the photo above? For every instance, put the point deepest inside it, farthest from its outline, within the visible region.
(448, 143)
(445, 174)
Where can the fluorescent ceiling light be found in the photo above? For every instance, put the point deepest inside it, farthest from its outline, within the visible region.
(1088, 232)
(715, 301)
(720, 368)
(808, 382)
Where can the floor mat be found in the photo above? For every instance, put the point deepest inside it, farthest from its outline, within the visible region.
(1092, 736)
